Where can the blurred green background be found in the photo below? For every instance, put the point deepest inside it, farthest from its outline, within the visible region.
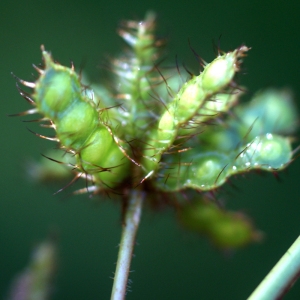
(169, 263)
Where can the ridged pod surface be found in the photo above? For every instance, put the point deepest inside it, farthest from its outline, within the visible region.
(59, 96)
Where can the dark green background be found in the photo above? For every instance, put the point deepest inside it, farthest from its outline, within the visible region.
(169, 263)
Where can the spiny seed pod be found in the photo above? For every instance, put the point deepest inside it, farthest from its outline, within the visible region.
(207, 170)
(192, 99)
(59, 96)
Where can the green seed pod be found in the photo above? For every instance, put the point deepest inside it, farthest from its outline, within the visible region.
(267, 152)
(59, 96)
(196, 95)
(218, 73)
(206, 170)
(194, 98)
(190, 169)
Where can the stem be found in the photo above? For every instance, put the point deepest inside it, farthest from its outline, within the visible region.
(130, 227)
(281, 277)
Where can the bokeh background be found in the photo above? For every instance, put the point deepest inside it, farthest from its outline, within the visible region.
(169, 263)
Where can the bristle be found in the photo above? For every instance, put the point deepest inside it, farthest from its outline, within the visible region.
(44, 137)
(33, 121)
(48, 126)
(26, 83)
(69, 184)
(25, 95)
(40, 71)
(24, 113)
(72, 66)
(85, 190)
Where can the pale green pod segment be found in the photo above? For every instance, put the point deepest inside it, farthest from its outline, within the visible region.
(161, 139)
(207, 171)
(77, 123)
(96, 148)
(213, 108)
(166, 131)
(188, 100)
(268, 152)
(102, 158)
(219, 73)
(200, 171)
(56, 89)
(118, 169)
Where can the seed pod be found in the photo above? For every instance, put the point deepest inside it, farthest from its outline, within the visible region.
(191, 100)
(267, 152)
(206, 170)
(59, 96)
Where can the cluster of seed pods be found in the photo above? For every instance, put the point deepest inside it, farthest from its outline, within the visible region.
(134, 133)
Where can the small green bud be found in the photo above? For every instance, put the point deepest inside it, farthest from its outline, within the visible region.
(232, 231)
(225, 229)
(199, 216)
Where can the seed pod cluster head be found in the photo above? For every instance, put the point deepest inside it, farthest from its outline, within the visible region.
(149, 131)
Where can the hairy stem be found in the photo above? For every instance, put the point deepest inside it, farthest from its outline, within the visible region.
(130, 227)
(281, 277)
